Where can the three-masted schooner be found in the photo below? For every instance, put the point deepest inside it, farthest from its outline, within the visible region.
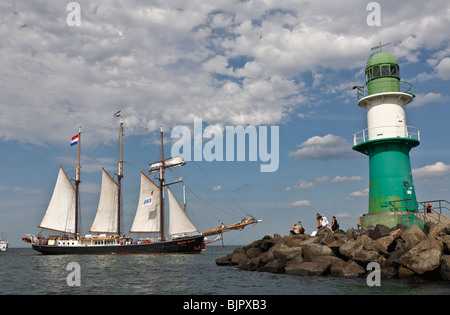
(63, 212)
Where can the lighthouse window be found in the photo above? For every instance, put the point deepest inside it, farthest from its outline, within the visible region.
(394, 71)
(376, 72)
(385, 71)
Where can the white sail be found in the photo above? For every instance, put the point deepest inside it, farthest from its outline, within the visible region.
(179, 221)
(148, 216)
(106, 219)
(60, 214)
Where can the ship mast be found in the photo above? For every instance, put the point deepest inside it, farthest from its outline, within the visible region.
(120, 176)
(161, 180)
(77, 182)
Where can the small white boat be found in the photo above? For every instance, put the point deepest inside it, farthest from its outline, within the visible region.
(3, 245)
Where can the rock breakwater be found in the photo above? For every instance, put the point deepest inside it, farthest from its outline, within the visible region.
(401, 252)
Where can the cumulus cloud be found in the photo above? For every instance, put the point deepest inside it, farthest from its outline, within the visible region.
(422, 99)
(443, 69)
(302, 184)
(360, 193)
(299, 203)
(344, 215)
(229, 62)
(345, 178)
(434, 170)
(324, 148)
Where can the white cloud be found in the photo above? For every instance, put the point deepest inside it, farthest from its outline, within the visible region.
(434, 170)
(299, 203)
(324, 148)
(360, 193)
(422, 99)
(166, 62)
(343, 215)
(321, 179)
(217, 188)
(345, 178)
(304, 185)
(443, 69)
(17, 189)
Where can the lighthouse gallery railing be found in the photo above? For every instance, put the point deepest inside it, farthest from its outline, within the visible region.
(403, 86)
(386, 132)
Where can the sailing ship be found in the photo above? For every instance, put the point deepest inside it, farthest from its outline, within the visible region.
(63, 212)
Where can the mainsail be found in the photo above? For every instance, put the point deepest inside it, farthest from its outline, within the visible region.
(107, 213)
(179, 222)
(148, 216)
(61, 215)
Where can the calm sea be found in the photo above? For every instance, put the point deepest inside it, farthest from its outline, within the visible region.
(24, 271)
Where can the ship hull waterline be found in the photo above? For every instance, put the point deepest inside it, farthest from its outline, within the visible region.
(190, 245)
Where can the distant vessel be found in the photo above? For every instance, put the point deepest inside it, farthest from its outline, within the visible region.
(3, 245)
(107, 238)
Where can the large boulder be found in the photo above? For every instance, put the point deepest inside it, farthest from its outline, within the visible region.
(253, 252)
(446, 240)
(287, 253)
(239, 256)
(379, 231)
(445, 267)
(225, 261)
(363, 257)
(348, 249)
(275, 266)
(310, 251)
(353, 270)
(310, 268)
(347, 269)
(424, 257)
(435, 229)
(413, 236)
(394, 258)
(376, 246)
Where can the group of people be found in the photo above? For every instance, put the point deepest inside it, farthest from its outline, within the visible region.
(322, 223)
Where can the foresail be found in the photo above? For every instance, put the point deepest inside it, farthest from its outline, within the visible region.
(106, 219)
(60, 214)
(179, 221)
(148, 216)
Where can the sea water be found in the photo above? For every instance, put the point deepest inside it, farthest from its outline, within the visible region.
(24, 271)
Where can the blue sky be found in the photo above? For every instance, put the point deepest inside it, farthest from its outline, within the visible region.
(290, 64)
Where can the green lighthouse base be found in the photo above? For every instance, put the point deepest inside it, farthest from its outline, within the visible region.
(391, 219)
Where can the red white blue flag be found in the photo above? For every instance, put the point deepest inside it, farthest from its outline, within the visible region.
(74, 140)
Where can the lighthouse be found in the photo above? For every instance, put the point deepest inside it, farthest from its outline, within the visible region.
(387, 142)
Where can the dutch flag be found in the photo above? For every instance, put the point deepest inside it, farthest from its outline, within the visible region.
(74, 140)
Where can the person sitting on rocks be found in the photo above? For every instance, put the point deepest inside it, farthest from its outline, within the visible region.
(319, 221)
(300, 226)
(295, 229)
(334, 224)
(324, 221)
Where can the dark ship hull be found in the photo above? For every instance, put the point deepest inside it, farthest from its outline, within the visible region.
(188, 245)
